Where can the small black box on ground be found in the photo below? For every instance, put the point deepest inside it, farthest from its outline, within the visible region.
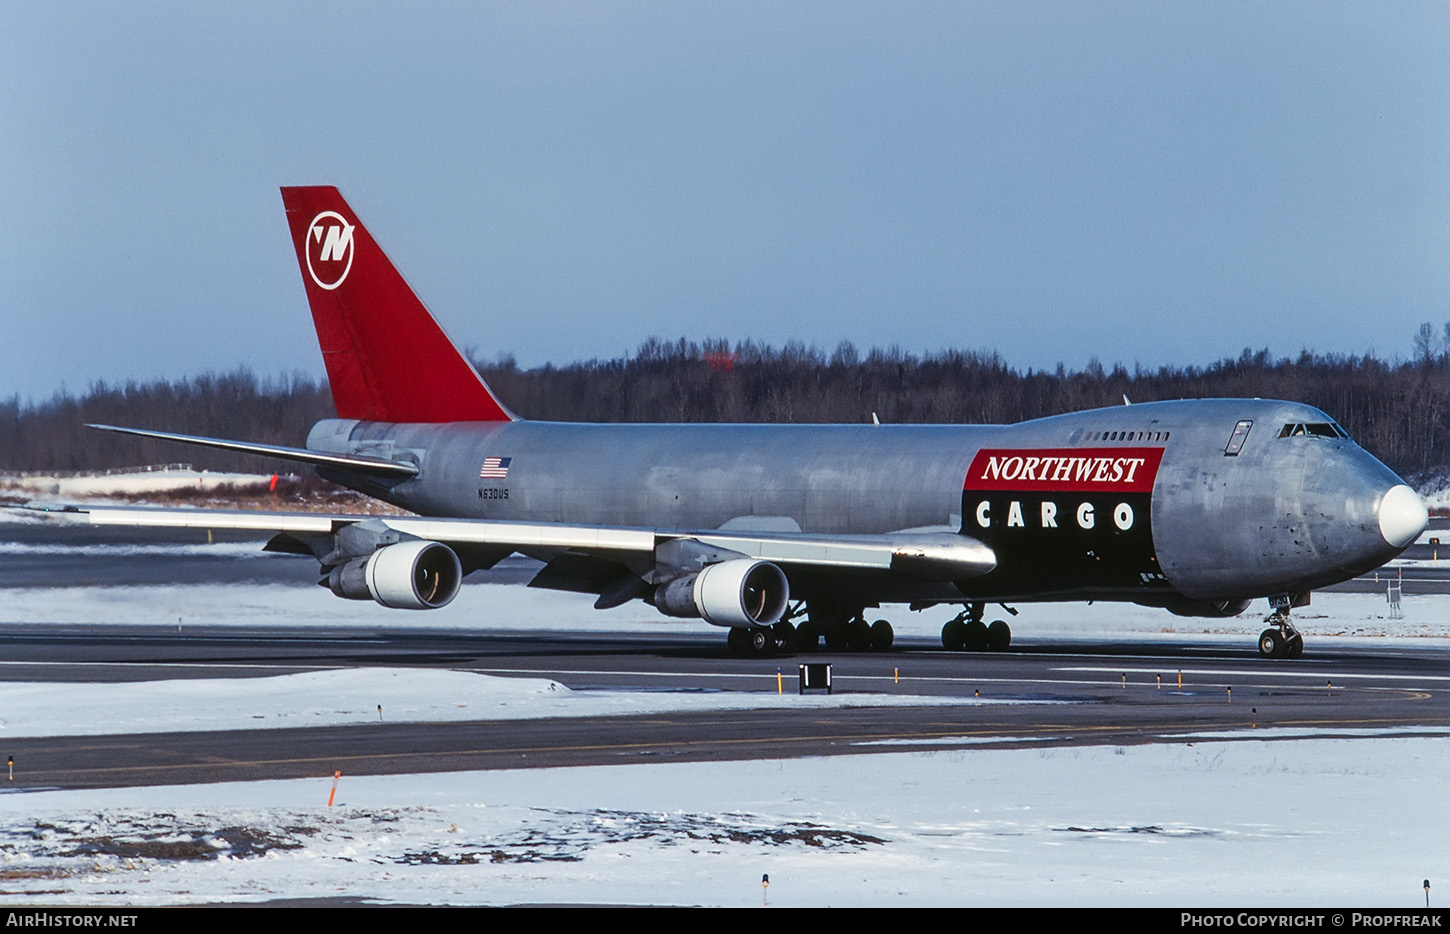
(816, 677)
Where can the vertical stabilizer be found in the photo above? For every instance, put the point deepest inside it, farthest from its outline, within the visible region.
(387, 359)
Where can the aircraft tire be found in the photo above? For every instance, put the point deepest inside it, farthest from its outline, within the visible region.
(882, 635)
(954, 635)
(807, 637)
(738, 641)
(858, 634)
(1271, 644)
(785, 636)
(999, 636)
(976, 636)
(762, 642)
(836, 639)
(1294, 647)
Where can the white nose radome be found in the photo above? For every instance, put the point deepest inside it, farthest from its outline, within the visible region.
(1403, 516)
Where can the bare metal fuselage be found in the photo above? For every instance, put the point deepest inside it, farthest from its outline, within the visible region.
(1278, 515)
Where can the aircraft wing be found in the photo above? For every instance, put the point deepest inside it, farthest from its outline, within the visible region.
(933, 555)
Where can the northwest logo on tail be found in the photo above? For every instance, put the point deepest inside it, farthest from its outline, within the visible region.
(329, 249)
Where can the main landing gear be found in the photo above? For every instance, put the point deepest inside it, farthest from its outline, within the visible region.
(844, 628)
(1281, 639)
(967, 631)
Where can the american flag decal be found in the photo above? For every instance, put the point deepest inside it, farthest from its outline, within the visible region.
(494, 468)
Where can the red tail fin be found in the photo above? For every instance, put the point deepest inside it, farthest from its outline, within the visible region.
(387, 359)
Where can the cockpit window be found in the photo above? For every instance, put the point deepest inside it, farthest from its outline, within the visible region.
(1313, 430)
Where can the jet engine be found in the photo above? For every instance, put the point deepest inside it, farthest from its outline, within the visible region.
(739, 593)
(410, 575)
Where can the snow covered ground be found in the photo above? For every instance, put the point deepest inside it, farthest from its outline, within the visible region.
(95, 487)
(352, 696)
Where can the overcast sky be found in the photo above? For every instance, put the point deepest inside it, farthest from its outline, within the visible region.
(1141, 182)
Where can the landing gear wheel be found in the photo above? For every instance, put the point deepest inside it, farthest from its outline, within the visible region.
(738, 641)
(828, 620)
(807, 637)
(976, 636)
(785, 635)
(1281, 639)
(858, 634)
(999, 636)
(954, 635)
(1271, 644)
(882, 635)
(761, 642)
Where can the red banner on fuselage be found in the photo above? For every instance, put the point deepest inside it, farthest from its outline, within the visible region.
(1068, 470)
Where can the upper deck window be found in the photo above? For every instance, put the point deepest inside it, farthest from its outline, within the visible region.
(1153, 436)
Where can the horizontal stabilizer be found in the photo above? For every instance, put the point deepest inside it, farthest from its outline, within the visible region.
(372, 466)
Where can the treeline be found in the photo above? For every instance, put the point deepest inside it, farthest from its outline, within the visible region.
(1396, 410)
(50, 436)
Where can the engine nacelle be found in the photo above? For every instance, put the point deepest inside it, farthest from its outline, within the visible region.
(1213, 609)
(413, 575)
(738, 593)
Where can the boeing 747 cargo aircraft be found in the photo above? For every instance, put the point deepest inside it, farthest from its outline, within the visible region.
(787, 534)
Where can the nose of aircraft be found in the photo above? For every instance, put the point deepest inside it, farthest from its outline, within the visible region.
(1403, 516)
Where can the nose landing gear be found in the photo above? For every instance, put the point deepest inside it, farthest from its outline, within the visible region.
(1281, 639)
